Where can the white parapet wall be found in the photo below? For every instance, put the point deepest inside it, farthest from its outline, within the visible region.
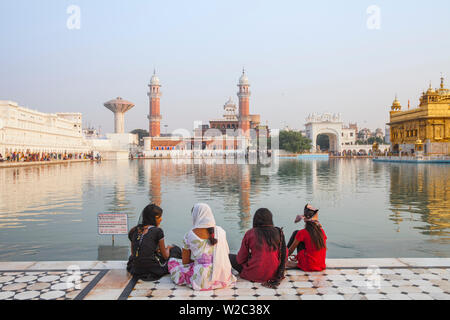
(26, 130)
(115, 146)
(123, 141)
(115, 155)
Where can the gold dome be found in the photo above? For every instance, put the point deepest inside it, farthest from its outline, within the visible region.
(396, 104)
(431, 90)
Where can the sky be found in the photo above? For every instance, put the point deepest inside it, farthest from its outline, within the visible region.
(300, 57)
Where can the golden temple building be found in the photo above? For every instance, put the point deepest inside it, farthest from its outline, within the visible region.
(428, 125)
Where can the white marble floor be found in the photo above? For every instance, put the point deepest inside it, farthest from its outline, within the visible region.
(44, 285)
(332, 284)
(345, 279)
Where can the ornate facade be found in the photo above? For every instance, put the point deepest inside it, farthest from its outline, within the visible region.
(230, 120)
(327, 124)
(428, 124)
(25, 130)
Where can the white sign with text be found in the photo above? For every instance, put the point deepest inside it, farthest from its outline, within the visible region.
(112, 223)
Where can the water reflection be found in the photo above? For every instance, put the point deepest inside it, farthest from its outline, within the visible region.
(212, 181)
(34, 194)
(111, 252)
(49, 212)
(421, 194)
(244, 197)
(153, 169)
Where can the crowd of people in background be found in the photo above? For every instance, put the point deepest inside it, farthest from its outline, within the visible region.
(43, 156)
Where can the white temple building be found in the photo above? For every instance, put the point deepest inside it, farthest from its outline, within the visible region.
(326, 124)
(342, 138)
(25, 130)
(30, 131)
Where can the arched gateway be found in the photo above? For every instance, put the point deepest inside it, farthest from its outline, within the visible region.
(325, 124)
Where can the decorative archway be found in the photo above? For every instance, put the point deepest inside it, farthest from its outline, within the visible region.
(325, 124)
(333, 141)
(323, 142)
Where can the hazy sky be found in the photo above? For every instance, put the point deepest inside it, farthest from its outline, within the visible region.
(300, 57)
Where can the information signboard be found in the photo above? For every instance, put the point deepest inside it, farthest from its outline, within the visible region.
(112, 223)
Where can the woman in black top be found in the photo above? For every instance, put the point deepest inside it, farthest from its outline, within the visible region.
(149, 254)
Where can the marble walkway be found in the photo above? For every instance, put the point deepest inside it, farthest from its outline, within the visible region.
(344, 279)
(6, 164)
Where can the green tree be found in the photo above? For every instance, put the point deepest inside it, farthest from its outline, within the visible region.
(371, 140)
(293, 141)
(141, 134)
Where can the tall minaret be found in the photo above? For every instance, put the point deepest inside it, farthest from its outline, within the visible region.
(154, 116)
(244, 103)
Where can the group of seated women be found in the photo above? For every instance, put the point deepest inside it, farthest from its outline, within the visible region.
(204, 261)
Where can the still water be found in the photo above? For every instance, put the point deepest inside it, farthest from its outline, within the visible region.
(367, 209)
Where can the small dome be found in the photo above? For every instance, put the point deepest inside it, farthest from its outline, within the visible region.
(396, 103)
(154, 81)
(243, 80)
(229, 103)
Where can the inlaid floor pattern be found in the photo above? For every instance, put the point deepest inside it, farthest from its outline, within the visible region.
(336, 284)
(43, 285)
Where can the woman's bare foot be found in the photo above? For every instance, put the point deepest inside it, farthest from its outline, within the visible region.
(291, 264)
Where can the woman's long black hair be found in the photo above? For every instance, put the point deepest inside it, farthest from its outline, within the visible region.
(314, 229)
(265, 230)
(148, 217)
(274, 238)
(211, 238)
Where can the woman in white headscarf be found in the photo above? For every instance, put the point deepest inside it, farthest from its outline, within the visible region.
(205, 264)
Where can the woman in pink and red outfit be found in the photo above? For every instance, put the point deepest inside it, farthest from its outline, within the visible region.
(204, 264)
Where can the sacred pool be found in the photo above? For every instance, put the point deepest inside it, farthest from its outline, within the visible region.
(368, 209)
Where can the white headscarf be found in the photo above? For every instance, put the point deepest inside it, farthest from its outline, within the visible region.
(203, 217)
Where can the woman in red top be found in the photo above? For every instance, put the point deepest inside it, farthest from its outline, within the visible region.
(309, 242)
(263, 253)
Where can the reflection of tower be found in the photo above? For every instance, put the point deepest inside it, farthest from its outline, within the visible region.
(314, 177)
(119, 107)
(119, 202)
(244, 196)
(244, 103)
(154, 116)
(155, 182)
